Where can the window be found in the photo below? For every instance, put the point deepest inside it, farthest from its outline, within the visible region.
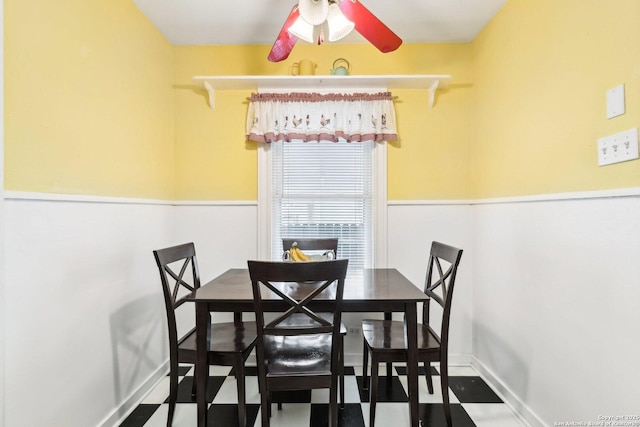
(324, 189)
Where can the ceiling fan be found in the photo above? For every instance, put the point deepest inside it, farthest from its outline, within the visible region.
(312, 20)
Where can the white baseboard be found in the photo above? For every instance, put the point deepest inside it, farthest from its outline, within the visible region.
(522, 411)
(119, 414)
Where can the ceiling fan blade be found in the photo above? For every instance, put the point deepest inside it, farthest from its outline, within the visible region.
(370, 27)
(285, 41)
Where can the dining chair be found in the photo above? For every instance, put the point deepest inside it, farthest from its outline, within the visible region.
(303, 354)
(385, 339)
(230, 342)
(322, 244)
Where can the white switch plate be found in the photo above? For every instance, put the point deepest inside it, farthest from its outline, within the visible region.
(618, 148)
(615, 102)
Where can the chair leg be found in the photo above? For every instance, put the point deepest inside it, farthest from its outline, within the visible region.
(265, 395)
(389, 316)
(365, 366)
(194, 385)
(173, 391)
(427, 370)
(265, 402)
(373, 396)
(341, 372)
(240, 381)
(333, 404)
(444, 382)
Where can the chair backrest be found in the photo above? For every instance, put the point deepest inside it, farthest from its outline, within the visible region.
(178, 280)
(312, 244)
(441, 276)
(298, 284)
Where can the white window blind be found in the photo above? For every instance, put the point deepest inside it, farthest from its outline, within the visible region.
(324, 189)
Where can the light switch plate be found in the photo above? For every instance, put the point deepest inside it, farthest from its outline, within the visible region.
(618, 148)
(615, 102)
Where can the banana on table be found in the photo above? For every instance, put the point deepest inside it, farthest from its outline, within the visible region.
(297, 254)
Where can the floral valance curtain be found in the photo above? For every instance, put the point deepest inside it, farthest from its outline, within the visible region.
(314, 117)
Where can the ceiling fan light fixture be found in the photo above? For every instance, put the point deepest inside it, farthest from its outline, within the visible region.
(314, 11)
(338, 24)
(303, 30)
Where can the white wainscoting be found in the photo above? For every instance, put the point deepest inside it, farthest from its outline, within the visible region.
(225, 236)
(85, 324)
(556, 305)
(411, 229)
(547, 300)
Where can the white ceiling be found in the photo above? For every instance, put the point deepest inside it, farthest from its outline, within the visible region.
(218, 22)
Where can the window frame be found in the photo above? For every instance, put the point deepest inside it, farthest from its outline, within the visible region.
(379, 203)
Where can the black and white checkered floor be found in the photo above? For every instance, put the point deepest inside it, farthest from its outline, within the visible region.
(473, 402)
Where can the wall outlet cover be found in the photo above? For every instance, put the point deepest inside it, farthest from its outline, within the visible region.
(615, 102)
(617, 148)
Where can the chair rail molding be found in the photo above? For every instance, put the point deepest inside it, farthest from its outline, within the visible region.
(428, 82)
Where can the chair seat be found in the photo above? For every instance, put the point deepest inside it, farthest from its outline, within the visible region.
(228, 337)
(302, 355)
(389, 335)
(300, 320)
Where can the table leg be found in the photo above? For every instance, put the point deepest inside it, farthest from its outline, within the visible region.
(411, 319)
(203, 326)
(389, 316)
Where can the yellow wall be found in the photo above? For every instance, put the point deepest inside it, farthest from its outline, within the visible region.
(541, 71)
(97, 102)
(430, 161)
(88, 100)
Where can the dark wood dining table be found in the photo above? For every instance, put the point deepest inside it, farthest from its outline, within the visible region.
(383, 290)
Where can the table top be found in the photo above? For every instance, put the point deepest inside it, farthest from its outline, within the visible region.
(371, 287)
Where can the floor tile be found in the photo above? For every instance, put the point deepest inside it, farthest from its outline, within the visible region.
(291, 415)
(249, 371)
(228, 392)
(185, 387)
(389, 414)
(402, 370)
(472, 390)
(388, 390)
(184, 370)
(140, 416)
(350, 416)
(351, 392)
(227, 415)
(185, 415)
(480, 407)
(423, 391)
(432, 415)
(159, 393)
(492, 415)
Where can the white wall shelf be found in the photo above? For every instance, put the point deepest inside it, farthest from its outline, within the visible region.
(429, 82)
